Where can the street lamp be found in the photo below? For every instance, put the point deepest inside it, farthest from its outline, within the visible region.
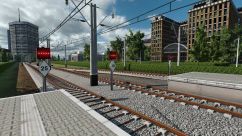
(237, 56)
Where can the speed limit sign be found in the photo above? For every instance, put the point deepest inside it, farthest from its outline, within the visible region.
(44, 68)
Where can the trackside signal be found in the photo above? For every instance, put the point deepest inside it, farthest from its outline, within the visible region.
(43, 53)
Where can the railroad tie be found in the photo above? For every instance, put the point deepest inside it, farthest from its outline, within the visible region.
(162, 131)
(203, 101)
(135, 117)
(195, 107)
(232, 108)
(125, 112)
(210, 111)
(183, 103)
(229, 116)
(216, 104)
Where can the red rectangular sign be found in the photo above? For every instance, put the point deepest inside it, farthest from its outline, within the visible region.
(43, 53)
(113, 55)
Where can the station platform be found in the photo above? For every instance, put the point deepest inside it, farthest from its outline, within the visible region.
(50, 114)
(226, 87)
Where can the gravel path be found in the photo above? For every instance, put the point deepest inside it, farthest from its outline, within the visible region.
(185, 118)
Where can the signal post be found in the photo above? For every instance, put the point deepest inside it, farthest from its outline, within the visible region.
(44, 67)
(113, 55)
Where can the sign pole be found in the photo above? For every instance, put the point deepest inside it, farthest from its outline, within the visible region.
(112, 56)
(111, 79)
(169, 68)
(44, 68)
(44, 83)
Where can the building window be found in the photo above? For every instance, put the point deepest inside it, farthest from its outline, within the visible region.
(225, 11)
(225, 18)
(220, 6)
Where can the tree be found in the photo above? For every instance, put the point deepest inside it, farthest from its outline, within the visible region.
(214, 52)
(199, 50)
(117, 45)
(147, 53)
(106, 54)
(135, 45)
(4, 56)
(227, 48)
(86, 53)
(58, 57)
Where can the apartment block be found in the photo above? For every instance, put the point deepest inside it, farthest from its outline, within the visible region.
(24, 39)
(214, 15)
(164, 32)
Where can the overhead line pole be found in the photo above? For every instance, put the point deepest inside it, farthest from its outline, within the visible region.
(65, 57)
(93, 48)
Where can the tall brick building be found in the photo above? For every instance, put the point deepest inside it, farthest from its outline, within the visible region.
(163, 33)
(214, 15)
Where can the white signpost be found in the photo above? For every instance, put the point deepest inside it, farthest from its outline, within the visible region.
(112, 67)
(44, 69)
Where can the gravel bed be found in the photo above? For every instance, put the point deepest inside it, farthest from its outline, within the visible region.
(184, 118)
(112, 114)
(134, 124)
(151, 131)
(238, 110)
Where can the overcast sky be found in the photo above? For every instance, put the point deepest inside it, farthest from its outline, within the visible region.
(47, 14)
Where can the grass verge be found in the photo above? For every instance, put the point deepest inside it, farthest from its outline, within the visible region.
(159, 67)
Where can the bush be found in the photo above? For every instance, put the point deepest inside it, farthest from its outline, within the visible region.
(221, 64)
(162, 67)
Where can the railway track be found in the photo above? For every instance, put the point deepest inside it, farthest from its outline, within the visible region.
(133, 122)
(228, 109)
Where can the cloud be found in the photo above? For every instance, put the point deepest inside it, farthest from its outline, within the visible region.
(47, 14)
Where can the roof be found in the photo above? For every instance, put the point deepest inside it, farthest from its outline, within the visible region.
(172, 48)
(239, 9)
(6, 50)
(157, 18)
(22, 23)
(147, 40)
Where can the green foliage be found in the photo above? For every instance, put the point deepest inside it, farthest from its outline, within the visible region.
(219, 48)
(135, 45)
(162, 67)
(214, 49)
(225, 47)
(147, 54)
(117, 45)
(106, 54)
(199, 51)
(58, 57)
(5, 56)
(86, 53)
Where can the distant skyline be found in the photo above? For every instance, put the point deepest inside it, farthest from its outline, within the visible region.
(47, 14)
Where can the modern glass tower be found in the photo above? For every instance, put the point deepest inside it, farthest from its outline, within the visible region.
(24, 39)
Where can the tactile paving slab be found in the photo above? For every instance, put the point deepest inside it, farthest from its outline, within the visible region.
(10, 111)
(61, 116)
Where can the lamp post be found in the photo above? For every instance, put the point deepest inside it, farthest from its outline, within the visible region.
(179, 46)
(237, 56)
(124, 52)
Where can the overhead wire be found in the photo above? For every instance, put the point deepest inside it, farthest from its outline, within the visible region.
(65, 20)
(142, 20)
